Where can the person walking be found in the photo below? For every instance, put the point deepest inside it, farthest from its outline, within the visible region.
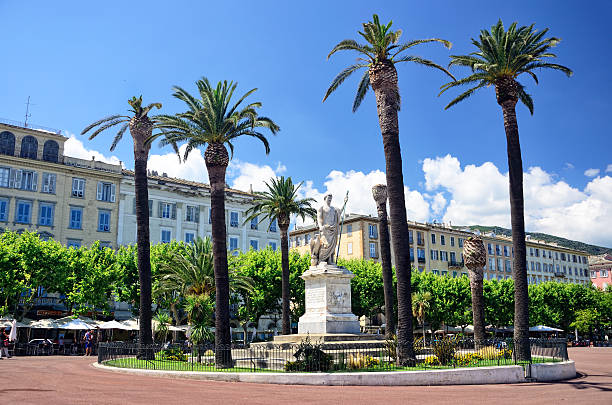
(4, 343)
(87, 339)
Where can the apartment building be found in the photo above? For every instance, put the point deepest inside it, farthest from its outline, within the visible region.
(180, 210)
(438, 248)
(600, 268)
(60, 197)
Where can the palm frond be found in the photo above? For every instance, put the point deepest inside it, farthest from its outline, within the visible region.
(364, 85)
(341, 77)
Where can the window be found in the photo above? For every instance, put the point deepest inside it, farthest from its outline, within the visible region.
(563, 256)
(603, 273)
(189, 237)
(508, 266)
(45, 214)
(460, 242)
(497, 250)
(24, 180)
(307, 239)
(506, 252)
(106, 192)
(538, 266)
(298, 241)
(150, 208)
(442, 241)
(349, 230)
(532, 266)
(373, 250)
(234, 219)
(372, 231)
(452, 241)
(272, 245)
(411, 255)
(166, 236)
(443, 256)
(192, 214)
(410, 237)
(233, 244)
(23, 213)
(4, 209)
(489, 248)
(491, 264)
(165, 210)
(433, 254)
(433, 238)
(209, 215)
(103, 221)
(7, 143)
(530, 251)
(75, 243)
(444, 272)
(78, 187)
(5, 174)
(349, 248)
(499, 264)
(76, 218)
(51, 151)
(593, 274)
(254, 244)
(273, 226)
(453, 257)
(48, 183)
(420, 239)
(537, 252)
(421, 254)
(254, 223)
(436, 272)
(29, 147)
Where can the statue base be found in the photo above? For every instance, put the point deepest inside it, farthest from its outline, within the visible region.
(328, 301)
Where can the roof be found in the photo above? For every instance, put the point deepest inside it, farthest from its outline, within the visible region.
(187, 183)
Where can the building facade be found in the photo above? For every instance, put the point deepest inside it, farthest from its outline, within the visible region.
(601, 270)
(73, 201)
(180, 210)
(438, 249)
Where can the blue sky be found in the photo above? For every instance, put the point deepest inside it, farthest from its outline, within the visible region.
(80, 61)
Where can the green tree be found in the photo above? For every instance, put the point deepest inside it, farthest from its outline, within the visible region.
(367, 290)
(498, 302)
(278, 203)
(213, 121)
(501, 56)
(421, 302)
(141, 128)
(379, 56)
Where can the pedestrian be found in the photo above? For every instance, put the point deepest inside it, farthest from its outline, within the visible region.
(87, 339)
(4, 343)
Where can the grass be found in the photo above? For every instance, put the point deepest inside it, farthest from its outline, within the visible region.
(170, 365)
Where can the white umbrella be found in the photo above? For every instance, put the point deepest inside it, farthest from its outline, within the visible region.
(75, 324)
(13, 334)
(113, 325)
(44, 324)
(544, 328)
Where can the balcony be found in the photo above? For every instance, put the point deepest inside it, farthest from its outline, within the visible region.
(421, 260)
(455, 264)
(421, 242)
(559, 274)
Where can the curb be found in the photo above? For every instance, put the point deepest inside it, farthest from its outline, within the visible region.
(458, 376)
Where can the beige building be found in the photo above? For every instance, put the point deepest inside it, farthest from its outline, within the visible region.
(180, 210)
(67, 199)
(439, 249)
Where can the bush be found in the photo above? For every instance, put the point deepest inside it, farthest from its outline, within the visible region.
(357, 361)
(467, 359)
(172, 354)
(444, 350)
(489, 353)
(309, 357)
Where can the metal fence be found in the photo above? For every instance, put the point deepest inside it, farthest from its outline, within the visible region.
(314, 357)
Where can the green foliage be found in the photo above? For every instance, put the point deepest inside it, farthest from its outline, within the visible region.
(586, 320)
(360, 360)
(444, 350)
(309, 357)
(162, 320)
(367, 291)
(172, 354)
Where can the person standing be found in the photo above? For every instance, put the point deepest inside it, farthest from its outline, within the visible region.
(4, 343)
(88, 342)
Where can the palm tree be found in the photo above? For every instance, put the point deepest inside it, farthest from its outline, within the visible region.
(380, 55)
(475, 257)
(214, 120)
(141, 128)
(278, 203)
(501, 56)
(421, 302)
(379, 192)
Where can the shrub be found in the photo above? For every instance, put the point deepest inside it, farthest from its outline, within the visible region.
(391, 348)
(489, 353)
(467, 359)
(444, 350)
(357, 361)
(431, 361)
(309, 357)
(172, 354)
(209, 352)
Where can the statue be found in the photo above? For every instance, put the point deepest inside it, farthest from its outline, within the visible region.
(323, 246)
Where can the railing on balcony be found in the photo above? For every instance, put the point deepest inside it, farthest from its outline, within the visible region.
(454, 263)
(421, 260)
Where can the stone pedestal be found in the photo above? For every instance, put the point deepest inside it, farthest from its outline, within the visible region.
(328, 301)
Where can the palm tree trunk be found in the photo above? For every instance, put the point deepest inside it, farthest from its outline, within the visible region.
(216, 174)
(477, 310)
(383, 78)
(385, 257)
(285, 279)
(517, 212)
(143, 246)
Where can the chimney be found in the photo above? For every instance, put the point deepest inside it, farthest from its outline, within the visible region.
(251, 188)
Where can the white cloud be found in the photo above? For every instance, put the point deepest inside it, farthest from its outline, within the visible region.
(74, 147)
(246, 175)
(360, 201)
(609, 168)
(569, 166)
(479, 195)
(591, 172)
(193, 169)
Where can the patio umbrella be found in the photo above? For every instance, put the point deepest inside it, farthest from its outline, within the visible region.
(544, 328)
(44, 324)
(13, 334)
(113, 325)
(75, 324)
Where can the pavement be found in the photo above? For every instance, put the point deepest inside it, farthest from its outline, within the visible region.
(73, 380)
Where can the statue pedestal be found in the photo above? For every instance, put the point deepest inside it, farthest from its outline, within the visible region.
(328, 301)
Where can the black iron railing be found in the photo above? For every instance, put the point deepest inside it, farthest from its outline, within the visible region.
(313, 357)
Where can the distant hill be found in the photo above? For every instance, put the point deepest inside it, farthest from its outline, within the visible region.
(571, 244)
